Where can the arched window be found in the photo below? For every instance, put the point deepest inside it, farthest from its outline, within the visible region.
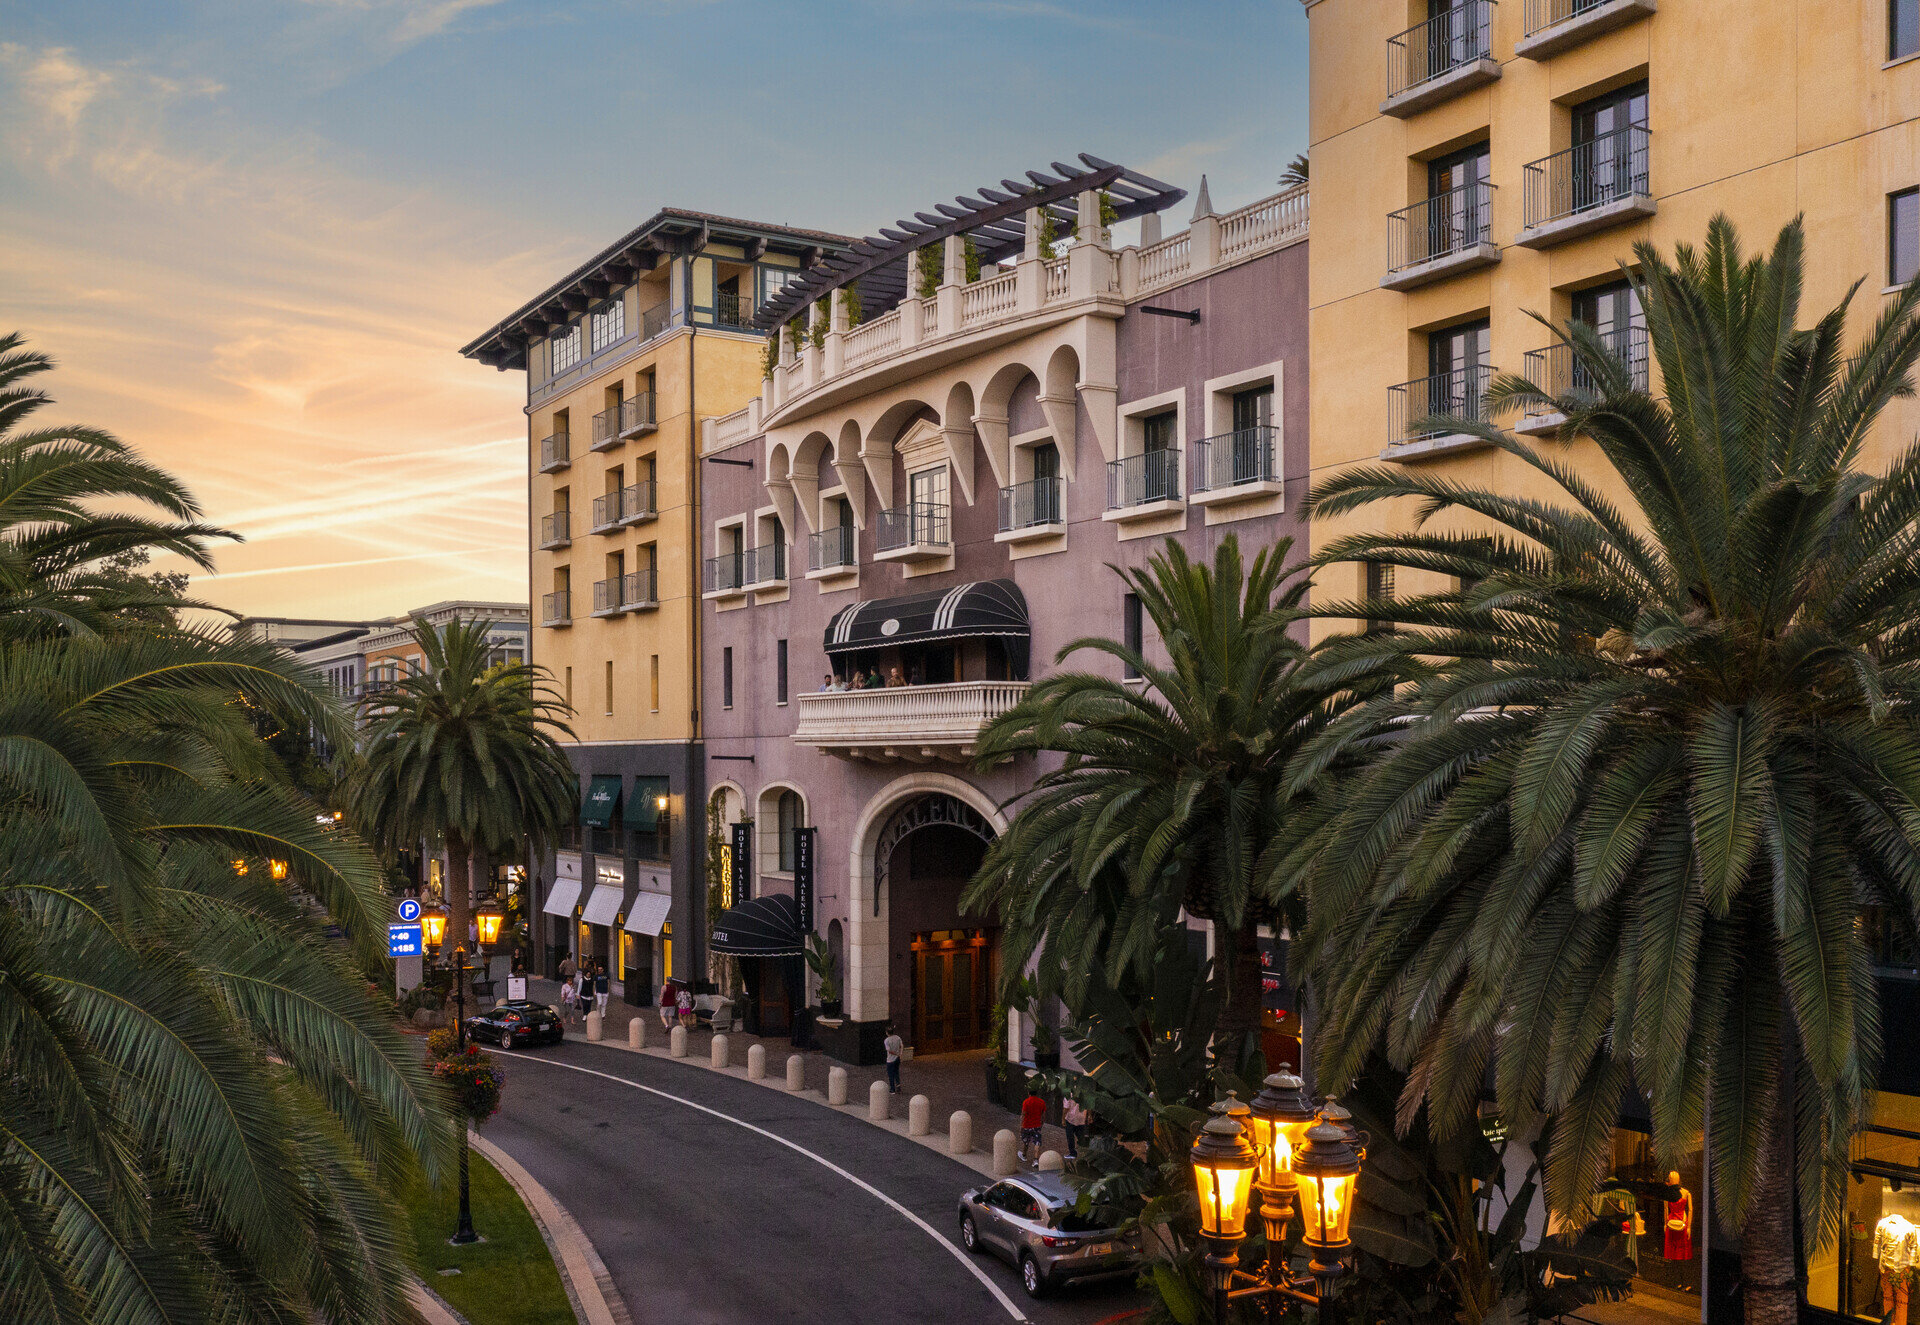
(789, 820)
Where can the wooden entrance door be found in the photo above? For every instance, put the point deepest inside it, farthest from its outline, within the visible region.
(951, 983)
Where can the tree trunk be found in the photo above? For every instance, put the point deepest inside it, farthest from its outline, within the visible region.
(1237, 1029)
(1768, 1276)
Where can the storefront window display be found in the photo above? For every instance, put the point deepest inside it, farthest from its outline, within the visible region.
(1874, 1271)
(1661, 1220)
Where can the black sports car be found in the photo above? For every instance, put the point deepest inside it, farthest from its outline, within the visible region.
(514, 1023)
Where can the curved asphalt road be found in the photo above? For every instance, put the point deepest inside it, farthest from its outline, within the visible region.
(703, 1221)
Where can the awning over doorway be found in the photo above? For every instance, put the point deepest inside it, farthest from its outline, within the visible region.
(601, 803)
(648, 914)
(983, 608)
(562, 897)
(764, 927)
(603, 905)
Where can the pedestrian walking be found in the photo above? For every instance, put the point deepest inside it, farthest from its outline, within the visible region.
(669, 1005)
(894, 1046)
(568, 993)
(566, 968)
(1033, 1112)
(684, 1003)
(1075, 1116)
(600, 989)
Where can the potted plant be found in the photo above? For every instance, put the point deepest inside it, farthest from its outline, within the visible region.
(1046, 1046)
(820, 960)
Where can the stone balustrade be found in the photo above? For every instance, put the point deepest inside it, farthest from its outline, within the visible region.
(906, 722)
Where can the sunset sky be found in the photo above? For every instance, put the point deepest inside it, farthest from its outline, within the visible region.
(254, 233)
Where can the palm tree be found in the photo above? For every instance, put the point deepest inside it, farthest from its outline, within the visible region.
(206, 1108)
(1296, 172)
(1658, 762)
(1170, 790)
(64, 561)
(465, 751)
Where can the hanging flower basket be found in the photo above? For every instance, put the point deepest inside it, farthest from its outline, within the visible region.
(475, 1080)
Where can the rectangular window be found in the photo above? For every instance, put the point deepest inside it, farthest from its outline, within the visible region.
(1132, 630)
(566, 350)
(1253, 408)
(779, 671)
(1903, 235)
(726, 678)
(569, 687)
(1903, 28)
(609, 323)
(653, 682)
(1379, 590)
(607, 688)
(1158, 431)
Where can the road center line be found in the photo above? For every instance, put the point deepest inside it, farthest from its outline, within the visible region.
(821, 1160)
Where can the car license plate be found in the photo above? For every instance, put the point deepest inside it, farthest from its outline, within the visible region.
(1101, 1249)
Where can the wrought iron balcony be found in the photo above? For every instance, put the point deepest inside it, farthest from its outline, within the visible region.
(1459, 394)
(1439, 236)
(556, 609)
(636, 415)
(606, 596)
(914, 723)
(1244, 457)
(732, 310)
(1554, 369)
(606, 513)
(766, 565)
(1552, 26)
(725, 573)
(655, 320)
(606, 429)
(554, 453)
(637, 502)
(915, 532)
(639, 589)
(1440, 58)
(1142, 480)
(831, 549)
(554, 529)
(1587, 187)
(1031, 505)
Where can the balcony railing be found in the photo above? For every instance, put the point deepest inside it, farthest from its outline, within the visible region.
(906, 722)
(732, 310)
(1541, 14)
(655, 320)
(606, 512)
(554, 529)
(637, 502)
(1458, 394)
(554, 453)
(766, 564)
(556, 609)
(606, 596)
(606, 428)
(636, 415)
(1611, 168)
(1452, 39)
(725, 572)
(1248, 455)
(1555, 370)
(640, 588)
(1446, 223)
(831, 548)
(1029, 505)
(917, 524)
(1138, 480)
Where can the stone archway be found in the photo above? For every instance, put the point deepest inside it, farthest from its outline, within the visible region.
(869, 957)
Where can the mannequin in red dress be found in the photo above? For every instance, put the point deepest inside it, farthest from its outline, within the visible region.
(1679, 1223)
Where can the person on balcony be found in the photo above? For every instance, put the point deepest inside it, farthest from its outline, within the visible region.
(896, 677)
(829, 684)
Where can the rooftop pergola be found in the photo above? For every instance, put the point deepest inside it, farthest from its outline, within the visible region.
(995, 221)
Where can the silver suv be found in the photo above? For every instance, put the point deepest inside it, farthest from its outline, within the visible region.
(1029, 1220)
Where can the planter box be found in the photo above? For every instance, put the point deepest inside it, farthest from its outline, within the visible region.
(862, 1043)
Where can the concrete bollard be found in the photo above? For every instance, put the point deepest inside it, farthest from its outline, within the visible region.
(836, 1085)
(877, 1096)
(796, 1072)
(1050, 1162)
(756, 1062)
(720, 1051)
(919, 1116)
(677, 1042)
(1006, 1153)
(596, 1028)
(960, 1133)
(637, 1033)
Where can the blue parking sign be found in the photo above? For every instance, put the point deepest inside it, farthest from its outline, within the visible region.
(404, 941)
(409, 909)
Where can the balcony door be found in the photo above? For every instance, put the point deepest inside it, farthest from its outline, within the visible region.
(1160, 465)
(1252, 417)
(1455, 35)
(927, 491)
(1046, 484)
(1614, 311)
(1456, 217)
(1457, 361)
(1609, 158)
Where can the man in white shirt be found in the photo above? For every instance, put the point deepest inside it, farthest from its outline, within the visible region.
(895, 1046)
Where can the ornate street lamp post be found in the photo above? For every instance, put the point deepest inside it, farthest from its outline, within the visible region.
(464, 1233)
(1224, 1162)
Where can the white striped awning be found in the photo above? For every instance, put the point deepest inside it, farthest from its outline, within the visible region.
(562, 896)
(603, 905)
(649, 913)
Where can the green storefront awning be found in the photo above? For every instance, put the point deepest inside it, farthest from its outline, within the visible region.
(643, 807)
(602, 802)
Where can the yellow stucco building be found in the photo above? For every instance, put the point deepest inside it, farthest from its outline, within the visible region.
(624, 357)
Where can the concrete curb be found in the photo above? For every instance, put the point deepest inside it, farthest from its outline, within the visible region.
(935, 1140)
(432, 1307)
(589, 1286)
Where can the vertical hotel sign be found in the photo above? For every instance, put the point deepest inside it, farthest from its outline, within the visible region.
(742, 858)
(803, 876)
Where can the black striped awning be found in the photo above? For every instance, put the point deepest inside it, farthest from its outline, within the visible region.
(966, 611)
(764, 927)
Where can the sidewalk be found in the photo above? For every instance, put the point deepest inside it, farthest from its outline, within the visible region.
(949, 1081)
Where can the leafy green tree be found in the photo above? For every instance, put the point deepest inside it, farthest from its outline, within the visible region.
(1169, 792)
(1658, 761)
(206, 1109)
(464, 751)
(72, 533)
